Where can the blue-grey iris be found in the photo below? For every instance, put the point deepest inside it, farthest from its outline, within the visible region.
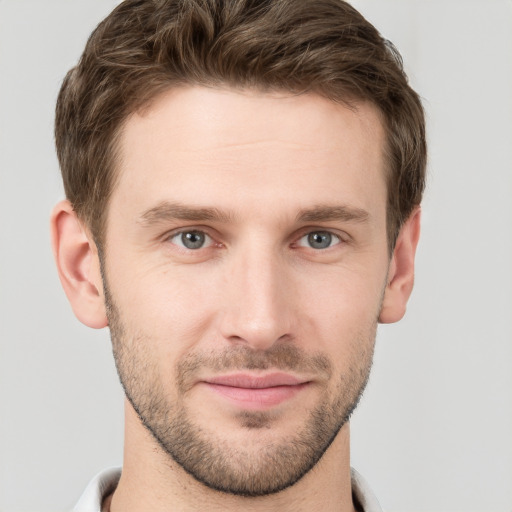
(320, 239)
(193, 239)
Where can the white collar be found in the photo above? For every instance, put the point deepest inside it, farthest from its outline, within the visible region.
(104, 483)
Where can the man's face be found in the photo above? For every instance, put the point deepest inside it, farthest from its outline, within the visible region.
(245, 264)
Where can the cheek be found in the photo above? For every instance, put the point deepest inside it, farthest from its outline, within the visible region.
(172, 308)
(342, 313)
(349, 290)
(176, 308)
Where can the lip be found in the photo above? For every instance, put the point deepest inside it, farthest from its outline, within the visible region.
(256, 392)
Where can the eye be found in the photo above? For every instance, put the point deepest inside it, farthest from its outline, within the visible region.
(191, 240)
(319, 240)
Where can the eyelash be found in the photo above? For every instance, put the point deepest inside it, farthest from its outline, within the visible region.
(177, 234)
(327, 236)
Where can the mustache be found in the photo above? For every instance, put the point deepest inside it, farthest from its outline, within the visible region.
(285, 357)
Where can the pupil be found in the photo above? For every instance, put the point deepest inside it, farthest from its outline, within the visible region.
(192, 239)
(320, 240)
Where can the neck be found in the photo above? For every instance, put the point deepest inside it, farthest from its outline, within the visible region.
(151, 480)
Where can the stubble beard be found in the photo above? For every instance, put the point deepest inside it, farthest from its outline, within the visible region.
(211, 459)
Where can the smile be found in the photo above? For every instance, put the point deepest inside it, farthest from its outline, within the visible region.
(256, 392)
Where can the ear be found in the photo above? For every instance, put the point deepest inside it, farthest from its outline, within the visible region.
(78, 266)
(401, 271)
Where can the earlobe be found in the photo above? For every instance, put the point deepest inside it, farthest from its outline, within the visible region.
(401, 271)
(78, 266)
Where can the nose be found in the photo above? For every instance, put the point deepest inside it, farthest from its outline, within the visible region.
(258, 299)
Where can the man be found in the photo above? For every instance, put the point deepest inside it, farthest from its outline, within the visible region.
(243, 182)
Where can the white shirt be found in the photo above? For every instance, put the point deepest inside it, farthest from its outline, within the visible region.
(104, 483)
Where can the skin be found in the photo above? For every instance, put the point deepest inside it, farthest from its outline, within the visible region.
(265, 171)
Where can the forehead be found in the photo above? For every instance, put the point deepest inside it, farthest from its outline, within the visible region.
(224, 146)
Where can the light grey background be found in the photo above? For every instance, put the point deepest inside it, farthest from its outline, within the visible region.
(434, 431)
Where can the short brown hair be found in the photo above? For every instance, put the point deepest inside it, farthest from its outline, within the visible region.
(146, 46)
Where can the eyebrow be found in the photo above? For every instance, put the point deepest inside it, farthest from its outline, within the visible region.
(166, 211)
(333, 213)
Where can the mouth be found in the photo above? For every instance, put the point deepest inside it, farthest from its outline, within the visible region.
(256, 392)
